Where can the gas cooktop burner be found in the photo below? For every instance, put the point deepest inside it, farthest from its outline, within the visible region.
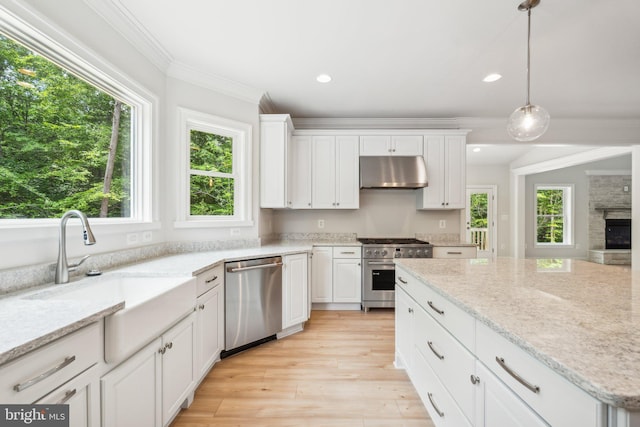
(391, 241)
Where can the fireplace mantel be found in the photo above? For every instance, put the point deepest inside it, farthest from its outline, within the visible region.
(606, 210)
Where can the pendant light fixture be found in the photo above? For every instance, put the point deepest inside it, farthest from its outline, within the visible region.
(530, 121)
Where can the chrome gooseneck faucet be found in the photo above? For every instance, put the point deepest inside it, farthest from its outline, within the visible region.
(62, 267)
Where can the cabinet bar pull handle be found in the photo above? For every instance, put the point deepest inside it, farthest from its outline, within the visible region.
(434, 308)
(527, 384)
(212, 279)
(67, 361)
(438, 355)
(68, 395)
(351, 252)
(430, 396)
(454, 253)
(402, 280)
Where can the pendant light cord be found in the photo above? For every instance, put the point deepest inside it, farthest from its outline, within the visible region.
(528, 54)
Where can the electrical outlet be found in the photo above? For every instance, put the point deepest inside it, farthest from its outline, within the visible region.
(132, 238)
(625, 188)
(147, 236)
(321, 223)
(443, 223)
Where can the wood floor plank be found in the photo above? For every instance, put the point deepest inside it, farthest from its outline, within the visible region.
(337, 372)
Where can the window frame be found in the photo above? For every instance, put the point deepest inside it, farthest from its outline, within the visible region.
(87, 66)
(241, 134)
(568, 203)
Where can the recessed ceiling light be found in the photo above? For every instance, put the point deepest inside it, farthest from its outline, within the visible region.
(476, 150)
(323, 78)
(493, 77)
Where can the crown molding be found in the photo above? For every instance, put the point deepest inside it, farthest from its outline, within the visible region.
(122, 20)
(214, 82)
(266, 105)
(374, 123)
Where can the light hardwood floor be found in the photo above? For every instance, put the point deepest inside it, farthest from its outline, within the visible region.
(337, 372)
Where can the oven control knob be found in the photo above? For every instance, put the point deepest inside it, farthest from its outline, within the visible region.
(376, 252)
(367, 252)
(418, 253)
(398, 254)
(384, 253)
(410, 253)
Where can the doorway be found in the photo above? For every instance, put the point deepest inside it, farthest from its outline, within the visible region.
(480, 219)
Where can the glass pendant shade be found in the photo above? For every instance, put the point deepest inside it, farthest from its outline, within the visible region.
(528, 123)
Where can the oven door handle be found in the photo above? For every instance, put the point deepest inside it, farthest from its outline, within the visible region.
(379, 263)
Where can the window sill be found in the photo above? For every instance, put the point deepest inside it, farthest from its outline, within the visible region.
(212, 223)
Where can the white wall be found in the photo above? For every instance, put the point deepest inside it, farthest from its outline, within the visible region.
(573, 175)
(382, 213)
(496, 175)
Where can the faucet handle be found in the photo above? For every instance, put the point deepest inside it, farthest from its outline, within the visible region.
(75, 266)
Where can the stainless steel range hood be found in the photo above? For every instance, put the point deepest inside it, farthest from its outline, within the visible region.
(393, 172)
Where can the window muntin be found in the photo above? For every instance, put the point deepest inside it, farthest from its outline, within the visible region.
(554, 216)
(218, 184)
(57, 133)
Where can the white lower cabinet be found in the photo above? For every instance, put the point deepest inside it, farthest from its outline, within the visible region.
(294, 290)
(131, 392)
(336, 276)
(496, 405)
(149, 388)
(467, 374)
(209, 329)
(82, 394)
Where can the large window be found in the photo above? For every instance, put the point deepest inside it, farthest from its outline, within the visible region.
(217, 188)
(71, 136)
(554, 215)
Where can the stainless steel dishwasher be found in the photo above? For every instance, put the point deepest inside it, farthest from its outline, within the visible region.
(253, 303)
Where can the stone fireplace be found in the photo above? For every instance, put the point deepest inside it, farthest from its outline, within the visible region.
(610, 217)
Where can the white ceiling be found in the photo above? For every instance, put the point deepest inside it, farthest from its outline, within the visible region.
(402, 58)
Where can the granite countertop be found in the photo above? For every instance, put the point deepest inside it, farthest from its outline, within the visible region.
(29, 323)
(579, 318)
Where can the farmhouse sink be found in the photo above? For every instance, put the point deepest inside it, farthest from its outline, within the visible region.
(152, 304)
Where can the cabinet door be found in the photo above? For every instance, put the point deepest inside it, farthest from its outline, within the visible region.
(496, 405)
(407, 145)
(404, 313)
(178, 366)
(294, 293)
(322, 274)
(131, 392)
(375, 145)
(300, 173)
(323, 181)
(347, 286)
(432, 197)
(82, 394)
(347, 172)
(274, 135)
(455, 172)
(209, 329)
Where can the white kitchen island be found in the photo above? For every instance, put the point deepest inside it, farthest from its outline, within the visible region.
(532, 342)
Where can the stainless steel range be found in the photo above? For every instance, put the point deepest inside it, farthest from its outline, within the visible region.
(378, 269)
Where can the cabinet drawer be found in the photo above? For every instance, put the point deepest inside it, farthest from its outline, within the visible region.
(451, 362)
(347, 252)
(441, 406)
(39, 372)
(455, 252)
(210, 279)
(460, 324)
(545, 389)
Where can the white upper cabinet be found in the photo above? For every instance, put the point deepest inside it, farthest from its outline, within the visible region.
(389, 145)
(335, 172)
(300, 173)
(275, 141)
(445, 156)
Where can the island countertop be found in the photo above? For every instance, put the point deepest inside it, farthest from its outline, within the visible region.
(579, 318)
